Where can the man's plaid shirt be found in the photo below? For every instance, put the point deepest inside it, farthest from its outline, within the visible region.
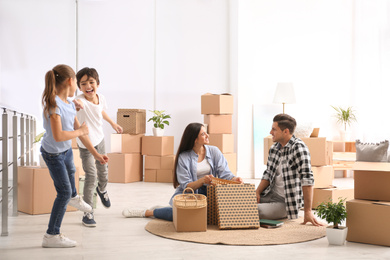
(296, 168)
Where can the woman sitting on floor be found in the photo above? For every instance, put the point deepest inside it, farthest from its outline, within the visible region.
(195, 164)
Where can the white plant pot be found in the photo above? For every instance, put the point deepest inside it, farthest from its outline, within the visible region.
(158, 132)
(336, 236)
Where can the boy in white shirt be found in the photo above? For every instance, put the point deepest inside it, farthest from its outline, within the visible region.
(91, 110)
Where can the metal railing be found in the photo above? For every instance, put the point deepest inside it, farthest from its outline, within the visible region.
(25, 137)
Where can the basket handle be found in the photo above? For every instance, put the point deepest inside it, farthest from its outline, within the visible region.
(188, 188)
(191, 195)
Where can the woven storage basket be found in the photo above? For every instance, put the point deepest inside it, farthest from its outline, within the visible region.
(190, 200)
(212, 209)
(133, 121)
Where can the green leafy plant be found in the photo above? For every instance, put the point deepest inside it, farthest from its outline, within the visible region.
(345, 116)
(159, 118)
(332, 212)
(38, 137)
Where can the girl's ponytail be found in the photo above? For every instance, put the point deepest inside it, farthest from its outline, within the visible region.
(54, 81)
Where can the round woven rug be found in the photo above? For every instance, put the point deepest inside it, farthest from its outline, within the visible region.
(291, 232)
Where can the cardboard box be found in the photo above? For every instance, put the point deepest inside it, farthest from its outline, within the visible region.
(225, 142)
(164, 176)
(157, 145)
(190, 220)
(218, 124)
(231, 159)
(126, 143)
(323, 176)
(160, 162)
(368, 222)
(77, 161)
(216, 104)
(326, 194)
(150, 175)
(373, 184)
(125, 167)
(133, 121)
(36, 191)
(321, 151)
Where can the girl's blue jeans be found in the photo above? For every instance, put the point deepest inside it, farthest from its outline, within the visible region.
(62, 171)
(167, 212)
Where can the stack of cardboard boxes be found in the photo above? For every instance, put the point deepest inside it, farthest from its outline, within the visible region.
(159, 158)
(321, 152)
(368, 214)
(218, 113)
(125, 160)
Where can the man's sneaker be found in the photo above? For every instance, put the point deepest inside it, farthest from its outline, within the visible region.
(88, 220)
(104, 198)
(134, 213)
(57, 241)
(80, 204)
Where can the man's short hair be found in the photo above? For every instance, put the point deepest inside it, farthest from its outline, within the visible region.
(285, 121)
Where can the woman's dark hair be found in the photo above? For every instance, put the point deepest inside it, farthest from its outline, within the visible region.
(187, 143)
(285, 121)
(90, 72)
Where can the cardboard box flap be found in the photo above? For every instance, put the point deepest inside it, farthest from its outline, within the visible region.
(371, 166)
(227, 94)
(384, 203)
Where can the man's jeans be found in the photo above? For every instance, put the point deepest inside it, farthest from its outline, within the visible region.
(62, 170)
(92, 168)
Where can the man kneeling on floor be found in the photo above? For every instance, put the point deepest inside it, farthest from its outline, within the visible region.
(288, 173)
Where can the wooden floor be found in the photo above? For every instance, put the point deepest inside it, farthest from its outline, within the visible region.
(116, 237)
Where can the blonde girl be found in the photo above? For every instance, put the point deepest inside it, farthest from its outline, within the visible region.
(61, 125)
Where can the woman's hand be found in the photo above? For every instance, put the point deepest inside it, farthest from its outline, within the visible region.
(207, 179)
(239, 179)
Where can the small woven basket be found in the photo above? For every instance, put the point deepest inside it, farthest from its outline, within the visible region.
(215, 181)
(190, 200)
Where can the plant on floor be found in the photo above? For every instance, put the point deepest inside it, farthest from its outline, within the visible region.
(159, 118)
(345, 116)
(333, 212)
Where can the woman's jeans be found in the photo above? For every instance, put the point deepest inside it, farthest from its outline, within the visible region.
(62, 170)
(167, 212)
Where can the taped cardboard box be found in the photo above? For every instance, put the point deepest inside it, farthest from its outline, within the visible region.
(36, 191)
(125, 167)
(372, 180)
(323, 176)
(237, 206)
(165, 176)
(224, 142)
(368, 222)
(157, 145)
(218, 124)
(231, 159)
(150, 175)
(166, 162)
(217, 104)
(321, 151)
(126, 143)
(330, 194)
(133, 121)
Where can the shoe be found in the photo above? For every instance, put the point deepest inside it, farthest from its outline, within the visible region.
(88, 220)
(104, 198)
(59, 240)
(80, 204)
(134, 213)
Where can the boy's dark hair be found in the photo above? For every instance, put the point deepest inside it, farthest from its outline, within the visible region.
(90, 72)
(285, 121)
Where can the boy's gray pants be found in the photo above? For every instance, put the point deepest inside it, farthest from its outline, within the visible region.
(93, 169)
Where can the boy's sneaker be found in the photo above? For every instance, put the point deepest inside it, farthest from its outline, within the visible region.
(57, 241)
(80, 204)
(104, 198)
(88, 220)
(134, 213)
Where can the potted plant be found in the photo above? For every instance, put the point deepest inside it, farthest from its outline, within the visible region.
(334, 212)
(159, 119)
(345, 117)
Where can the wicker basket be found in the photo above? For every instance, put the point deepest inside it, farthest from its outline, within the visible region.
(190, 200)
(216, 181)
